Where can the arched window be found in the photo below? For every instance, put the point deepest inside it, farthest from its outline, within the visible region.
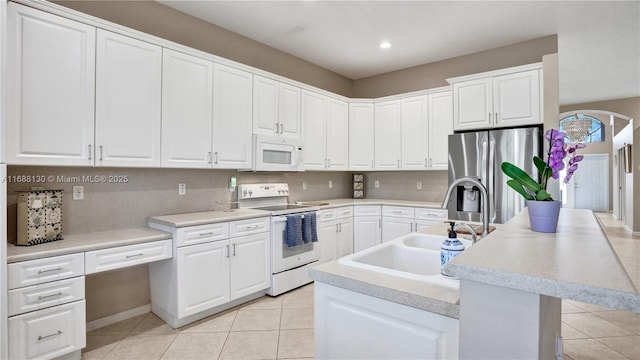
(582, 128)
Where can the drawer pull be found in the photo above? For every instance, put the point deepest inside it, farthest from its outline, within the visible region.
(48, 296)
(59, 332)
(49, 270)
(134, 255)
(249, 227)
(397, 212)
(207, 233)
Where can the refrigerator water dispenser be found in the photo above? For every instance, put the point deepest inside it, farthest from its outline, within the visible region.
(468, 198)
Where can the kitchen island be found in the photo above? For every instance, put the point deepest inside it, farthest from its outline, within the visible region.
(511, 285)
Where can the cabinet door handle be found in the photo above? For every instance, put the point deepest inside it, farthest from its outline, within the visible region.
(228, 251)
(489, 118)
(398, 164)
(281, 129)
(100, 152)
(49, 270)
(234, 249)
(379, 224)
(329, 162)
(49, 296)
(425, 162)
(496, 117)
(59, 332)
(340, 227)
(337, 228)
(215, 157)
(209, 157)
(89, 151)
(134, 255)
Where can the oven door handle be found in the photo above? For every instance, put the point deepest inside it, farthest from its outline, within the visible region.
(276, 219)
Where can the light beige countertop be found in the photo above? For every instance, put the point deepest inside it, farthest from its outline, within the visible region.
(577, 262)
(208, 217)
(333, 203)
(84, 242)
(437, 299)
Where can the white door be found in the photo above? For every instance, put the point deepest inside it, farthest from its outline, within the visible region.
(265, 106)
(232, 118)
(250, 264)
(203, 277)
(388, 135)
(128, 101)
(327, 232)
(50, 97)
(313, 116)
(366, 232)
(440, 107)
(393, 228)
(591, 183)
(289, 115)
(516, 99)
(414, 133)
(344, 239)
(473, 104)
(337, 135)
(361, 136)
(187, 110)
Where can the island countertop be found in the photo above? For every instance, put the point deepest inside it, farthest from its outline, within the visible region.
(577, 262)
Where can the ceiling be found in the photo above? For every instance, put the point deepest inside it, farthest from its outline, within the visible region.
(598, 41)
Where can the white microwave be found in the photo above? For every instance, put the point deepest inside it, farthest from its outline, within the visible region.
(275, 153)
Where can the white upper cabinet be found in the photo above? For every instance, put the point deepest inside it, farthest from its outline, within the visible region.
(276, 108)
(337, 139)
(326, 132)
(361, 136)
(187, 110)
(232, 118)
(414, 127)
(128, 101)
(50, 83)
(516, 99)
(388, 134)
(503, 98)
(440, 107)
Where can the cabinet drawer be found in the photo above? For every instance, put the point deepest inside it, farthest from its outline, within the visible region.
(201, 234)
(124, 256)
(47, 333)
(436, 215)
(33, 272)
(46, 295)
(249, 226)
(344, 212)
(326, 215)
(398, 211)
(365, 210)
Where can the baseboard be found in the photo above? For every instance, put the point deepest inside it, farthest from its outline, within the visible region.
(112, 319)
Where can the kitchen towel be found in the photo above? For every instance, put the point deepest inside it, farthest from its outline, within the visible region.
(309, 228)
(293, 230)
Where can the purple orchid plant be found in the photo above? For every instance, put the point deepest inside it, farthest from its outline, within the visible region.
(530, 189)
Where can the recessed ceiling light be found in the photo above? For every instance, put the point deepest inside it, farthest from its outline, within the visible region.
(385, 45)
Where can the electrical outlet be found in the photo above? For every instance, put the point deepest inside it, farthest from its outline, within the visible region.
(330, 184)
(304, 185)
(419, 185)
(376, 184)
(182, 189)
(78, 193)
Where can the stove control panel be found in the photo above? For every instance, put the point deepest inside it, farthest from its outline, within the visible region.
(256, 191)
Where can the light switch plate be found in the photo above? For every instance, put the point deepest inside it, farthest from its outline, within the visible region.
(182, 189)
(376, 184)
(78, 193)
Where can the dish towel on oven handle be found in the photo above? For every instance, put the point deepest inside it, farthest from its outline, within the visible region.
(309, 228)
(293, 231)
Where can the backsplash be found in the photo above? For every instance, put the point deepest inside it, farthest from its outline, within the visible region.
(139, 193)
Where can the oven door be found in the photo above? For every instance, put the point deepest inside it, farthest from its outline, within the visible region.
(284, 257)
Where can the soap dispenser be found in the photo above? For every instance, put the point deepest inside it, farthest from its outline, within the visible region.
(450, 248)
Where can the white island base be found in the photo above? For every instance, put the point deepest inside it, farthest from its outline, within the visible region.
(351, 325)
(502, 323)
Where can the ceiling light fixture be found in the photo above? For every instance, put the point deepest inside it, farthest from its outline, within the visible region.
(385, 45)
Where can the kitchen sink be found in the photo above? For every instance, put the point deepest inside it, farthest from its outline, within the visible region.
(414, 256)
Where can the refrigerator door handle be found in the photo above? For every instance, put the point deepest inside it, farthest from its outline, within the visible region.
(491, 181)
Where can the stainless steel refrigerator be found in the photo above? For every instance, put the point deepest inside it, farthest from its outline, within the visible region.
(479, 155)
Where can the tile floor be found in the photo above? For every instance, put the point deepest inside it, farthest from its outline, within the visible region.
(282, 327)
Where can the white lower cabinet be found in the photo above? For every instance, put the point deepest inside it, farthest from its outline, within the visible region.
(351, 325)
(367, 226)
(401, 220)
(220, 266)
(48, 333)
(335, 233)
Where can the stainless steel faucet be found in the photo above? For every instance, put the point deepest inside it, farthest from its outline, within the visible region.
(485, 200)
(474, 236)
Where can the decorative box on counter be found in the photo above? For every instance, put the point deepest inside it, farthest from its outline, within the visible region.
(358, 186)
(39, 216)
